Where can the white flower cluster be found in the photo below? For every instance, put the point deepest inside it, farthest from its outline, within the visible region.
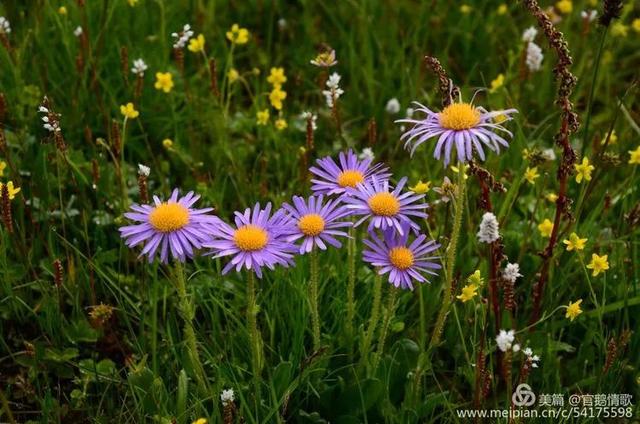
(533, 358)
(505, 339)
(334, 91)
(227, 396)
(78, 31)
(139, 67)
(529, 34)
(489, 230)
(511, 272)
(50, 120)
(182, 37)
(367, 153)
(393, 106)
(5, 27)
(534, 57)
(589, 15)
(305, 116)
(143, 170)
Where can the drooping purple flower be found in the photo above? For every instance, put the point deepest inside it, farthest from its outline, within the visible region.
(317, 223)
(404, 262)
(258, 239)
(385, 206)
(172, 226)
(335, 178)
(461, 124)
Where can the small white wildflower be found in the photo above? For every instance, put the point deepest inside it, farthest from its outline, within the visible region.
(589, 15)
(45, 119)
(505, 339)
(305, 116)
(511, 272)
(139, 66)
(43, 109)
(516, 347)
(549, 154)
(182, 37)
(533, 358)
(488, 232)
(5, 27)
(227, 396)
(367, 153)
(534, 57)
(282, 23)
(334, 91)
(527, 351)
(143, 170)
(78, 31)
(410, 112)
(393, 106)
(529, 34)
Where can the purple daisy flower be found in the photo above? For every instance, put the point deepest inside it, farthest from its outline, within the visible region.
(171, 226)
(404, 262)
(317, 223)
(257, 240)
(462, 124)
(375, 199)
(335, 178)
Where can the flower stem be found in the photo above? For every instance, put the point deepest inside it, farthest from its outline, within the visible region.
(386, 320)
(451, 258)
(254, 336)
(373, 319)
(351, 281)
(187, 312)
(313, 298)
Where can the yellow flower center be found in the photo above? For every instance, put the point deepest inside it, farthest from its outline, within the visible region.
(459, 116)
(250, 238)
(169, 217)
(311, 224)
(350, 178)
(384, 204)
(401, 257)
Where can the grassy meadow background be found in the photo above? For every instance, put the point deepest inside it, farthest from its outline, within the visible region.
(61, 361)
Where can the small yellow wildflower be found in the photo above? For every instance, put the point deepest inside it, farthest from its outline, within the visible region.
(552, 197)
(3, 166)
(618, 29)
(167, 143)
(635, 24)
(584, 170)
(574, 242)
(11, 189)
(200, 421)
(634, 156)
(233, 75)
(238, 35)
(465, 9)
(598, 264)
(545, 228)
(468, 292)
(262, 117)
(62, 10)
(164, 81)
(196, 44)
(280, 124)
(502, 9)
(476, 278)
(613, 138)
(129, 111)
(276, 97)
(564, 6)
(455, 169)
(325, 59)
(497, 83)
(573, 309)
(420, 187)
(276, 77)
(531, 174)
(132, 2)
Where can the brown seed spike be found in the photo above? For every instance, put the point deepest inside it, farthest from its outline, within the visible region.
(5, 204)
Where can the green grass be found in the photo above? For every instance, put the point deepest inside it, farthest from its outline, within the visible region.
(57, 365)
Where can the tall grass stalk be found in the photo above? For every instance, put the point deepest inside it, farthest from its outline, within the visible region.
(351, 282)
(254, 336)
(386, 320)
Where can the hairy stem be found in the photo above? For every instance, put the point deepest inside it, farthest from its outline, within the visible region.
(313, 298)
(373, 319)
(254, 336)
(351, 282)
(386, 320)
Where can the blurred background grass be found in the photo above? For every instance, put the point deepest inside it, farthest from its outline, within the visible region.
(58, 367)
